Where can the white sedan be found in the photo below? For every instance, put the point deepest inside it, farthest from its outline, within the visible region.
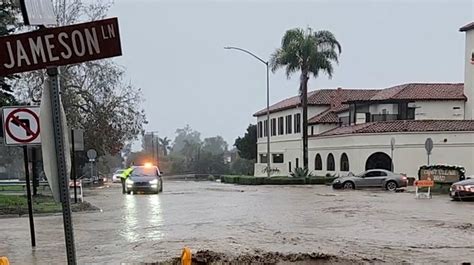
(116, 175)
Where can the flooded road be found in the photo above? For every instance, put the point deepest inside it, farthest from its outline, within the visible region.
(391, 227)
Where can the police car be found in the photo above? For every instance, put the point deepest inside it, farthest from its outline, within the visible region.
(145, 178)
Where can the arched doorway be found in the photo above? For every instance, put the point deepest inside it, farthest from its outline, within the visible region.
(330, 165)
(318, 162)
(379, 160)
(344, 162)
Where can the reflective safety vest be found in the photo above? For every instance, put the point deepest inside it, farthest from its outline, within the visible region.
(126, 173)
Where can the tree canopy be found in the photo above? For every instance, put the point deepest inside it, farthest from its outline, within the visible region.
(95, 95)
(247, 145)
(310, 53)
(8, 24)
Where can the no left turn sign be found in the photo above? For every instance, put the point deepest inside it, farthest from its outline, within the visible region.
(21, 125)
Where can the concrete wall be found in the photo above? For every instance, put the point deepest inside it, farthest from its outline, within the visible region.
(312, 111)
(290, 145)
(439, 110)
(469, 75)
(291, 149)
(456, 148)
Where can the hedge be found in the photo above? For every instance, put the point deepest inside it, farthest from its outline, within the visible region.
(251, 180)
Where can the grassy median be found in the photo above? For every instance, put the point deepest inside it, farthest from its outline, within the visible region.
(18, 205)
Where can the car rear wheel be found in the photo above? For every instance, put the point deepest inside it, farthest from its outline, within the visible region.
(391, 186)
(348, 185)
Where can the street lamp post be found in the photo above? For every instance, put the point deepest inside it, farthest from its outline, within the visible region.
(268, 101)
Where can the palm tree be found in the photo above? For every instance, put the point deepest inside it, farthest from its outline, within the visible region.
(165, 143)
(309, 53)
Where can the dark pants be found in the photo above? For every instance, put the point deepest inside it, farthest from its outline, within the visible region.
(123, 185)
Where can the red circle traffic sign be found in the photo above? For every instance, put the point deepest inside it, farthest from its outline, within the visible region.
(11, 117)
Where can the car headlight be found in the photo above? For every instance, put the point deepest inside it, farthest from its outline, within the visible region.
(154, 182)
(337, 181)
(129, 181)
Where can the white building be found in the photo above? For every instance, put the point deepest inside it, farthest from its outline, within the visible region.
(350, 130)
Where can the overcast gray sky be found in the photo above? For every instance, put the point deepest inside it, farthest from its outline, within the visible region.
(173, 50)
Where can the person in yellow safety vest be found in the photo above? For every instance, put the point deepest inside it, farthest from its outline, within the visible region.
(123, 177)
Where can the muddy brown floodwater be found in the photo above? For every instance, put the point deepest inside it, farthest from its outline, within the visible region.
(251, 221)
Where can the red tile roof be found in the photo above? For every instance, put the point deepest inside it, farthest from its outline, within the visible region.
(412, 91)
(328, 116)
(467, 27)
(421, 91)
(403, 126)
(322, 97)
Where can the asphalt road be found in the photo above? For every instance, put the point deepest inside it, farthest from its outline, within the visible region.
(393, 227)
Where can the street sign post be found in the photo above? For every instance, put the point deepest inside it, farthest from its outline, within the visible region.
(77, 144)
(429, 148)
(92, 155)
(22, 128)
(59, 46)
(50, 48)
(21, 125)
(61, 144)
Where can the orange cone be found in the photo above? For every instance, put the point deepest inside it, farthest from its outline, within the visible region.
(186, 256)
(4, 261)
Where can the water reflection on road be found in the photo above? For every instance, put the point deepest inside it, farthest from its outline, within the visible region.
(236, 219)
(142, 218)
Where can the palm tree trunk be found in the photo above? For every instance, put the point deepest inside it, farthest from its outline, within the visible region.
(304, 104)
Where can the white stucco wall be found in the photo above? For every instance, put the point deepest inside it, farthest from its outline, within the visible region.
(315, 110)
(290, 145)
(320, 128)
(439, 110)
(469, 75)
(285, 136)
(312, 111)
(409, 153)
(291, 149)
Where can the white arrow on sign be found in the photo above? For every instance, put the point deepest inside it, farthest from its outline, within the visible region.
(48, 146)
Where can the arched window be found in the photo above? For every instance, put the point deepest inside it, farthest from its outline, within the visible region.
(344, 162)
(330, 163)
(318, 163)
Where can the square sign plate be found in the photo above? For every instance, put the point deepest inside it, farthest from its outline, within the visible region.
(21, 125)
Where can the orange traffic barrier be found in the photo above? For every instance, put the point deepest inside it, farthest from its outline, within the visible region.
(424, 183)
(186, 256)
(4, 261)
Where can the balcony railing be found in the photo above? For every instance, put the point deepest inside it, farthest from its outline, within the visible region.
(384, 117)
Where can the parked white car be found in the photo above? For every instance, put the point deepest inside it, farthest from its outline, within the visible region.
(116, 175)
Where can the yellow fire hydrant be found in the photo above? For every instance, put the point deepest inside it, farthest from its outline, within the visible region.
(4, 261)
(186, 256)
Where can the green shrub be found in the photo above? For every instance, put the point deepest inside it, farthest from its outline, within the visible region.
(211, 178)
(284, 181)
(229, 179)
(300, 172)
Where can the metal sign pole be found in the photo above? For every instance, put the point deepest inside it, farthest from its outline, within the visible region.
(61, 165)
(73, 165)
(34, 172)
(28, 194)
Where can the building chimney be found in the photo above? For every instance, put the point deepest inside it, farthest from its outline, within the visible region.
(469, 70)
